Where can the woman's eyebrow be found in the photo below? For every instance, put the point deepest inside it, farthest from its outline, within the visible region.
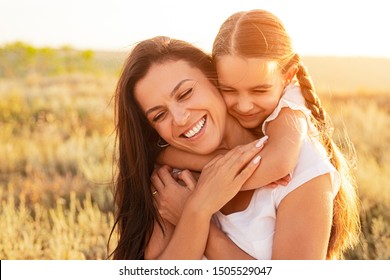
(152, 109)
(178, 86)
(175, 89)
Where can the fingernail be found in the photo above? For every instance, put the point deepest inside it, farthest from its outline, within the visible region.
(261, 141)
(176, 171)
(256, 160)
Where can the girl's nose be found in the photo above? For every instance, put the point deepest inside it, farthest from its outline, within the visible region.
(244, 105)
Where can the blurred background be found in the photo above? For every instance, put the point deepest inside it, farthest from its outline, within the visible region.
(59, 63)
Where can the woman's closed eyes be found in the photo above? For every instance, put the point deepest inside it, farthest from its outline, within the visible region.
(181, 96)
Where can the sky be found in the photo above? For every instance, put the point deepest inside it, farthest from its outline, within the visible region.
(333, 27)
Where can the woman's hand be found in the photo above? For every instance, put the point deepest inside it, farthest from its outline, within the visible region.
(173, 189)
(222, 178)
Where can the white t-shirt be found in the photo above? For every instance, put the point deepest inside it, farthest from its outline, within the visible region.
(253, 229)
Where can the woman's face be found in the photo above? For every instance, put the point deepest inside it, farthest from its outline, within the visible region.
(251, 87)
(184, 107)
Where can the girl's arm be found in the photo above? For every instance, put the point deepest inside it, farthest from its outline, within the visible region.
(280, 155)
(304, 220)
(219, 182)
(185, 160)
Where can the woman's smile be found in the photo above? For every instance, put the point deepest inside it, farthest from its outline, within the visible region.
(197, 130)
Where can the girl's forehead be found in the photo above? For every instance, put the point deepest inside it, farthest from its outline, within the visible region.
(234, 68)
(257, 63)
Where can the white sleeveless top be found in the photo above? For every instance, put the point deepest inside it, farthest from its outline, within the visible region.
(253, 229)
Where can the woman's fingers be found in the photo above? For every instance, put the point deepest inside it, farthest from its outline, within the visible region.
(172, 196)
(156, 182)
(160, 178)
(220, 182)
(262, 141)
(188, 179)
(165, 175)
(240, 157)
(248, 170)
(236, 153)
(222, 178)
(214, 160)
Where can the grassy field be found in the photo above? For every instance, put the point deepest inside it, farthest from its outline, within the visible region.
(56, 144)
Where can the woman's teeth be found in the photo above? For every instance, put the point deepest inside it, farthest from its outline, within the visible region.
(195, 130)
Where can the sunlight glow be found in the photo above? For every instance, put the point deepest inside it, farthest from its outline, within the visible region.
(342, 28)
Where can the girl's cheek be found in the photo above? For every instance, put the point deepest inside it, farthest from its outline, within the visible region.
(229, 102)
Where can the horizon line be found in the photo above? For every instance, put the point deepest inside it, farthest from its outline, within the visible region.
(127, 48)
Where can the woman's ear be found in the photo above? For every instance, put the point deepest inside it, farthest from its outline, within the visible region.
(290, 73)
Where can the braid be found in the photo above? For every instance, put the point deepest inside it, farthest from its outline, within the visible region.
(313, 103)
(345, 225)
(308, 91)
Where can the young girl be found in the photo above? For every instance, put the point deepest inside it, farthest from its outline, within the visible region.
(256, 67)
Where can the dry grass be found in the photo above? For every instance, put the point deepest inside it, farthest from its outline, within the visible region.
(55, 173)
(74, 229)
(365, 118)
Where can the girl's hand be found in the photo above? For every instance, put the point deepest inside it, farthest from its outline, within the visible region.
(173, 189)
(283, 181)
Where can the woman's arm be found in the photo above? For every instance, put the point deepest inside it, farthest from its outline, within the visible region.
(180, 242)
(221, 247)
(219, 182)
(218, 246)
(304, 220)
(171, 199)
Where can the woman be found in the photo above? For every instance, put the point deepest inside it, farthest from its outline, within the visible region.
(137, 141)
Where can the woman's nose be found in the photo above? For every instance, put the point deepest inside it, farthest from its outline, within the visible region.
(180, 116)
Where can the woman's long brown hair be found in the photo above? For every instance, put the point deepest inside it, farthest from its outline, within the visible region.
(136, 146)
(260, 34)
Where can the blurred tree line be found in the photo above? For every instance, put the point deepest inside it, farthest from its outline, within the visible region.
(19, 59)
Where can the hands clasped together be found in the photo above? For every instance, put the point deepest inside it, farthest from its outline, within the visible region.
(220, 180)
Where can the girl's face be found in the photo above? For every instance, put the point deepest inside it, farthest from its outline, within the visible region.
(183, 106)
(251, 87)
